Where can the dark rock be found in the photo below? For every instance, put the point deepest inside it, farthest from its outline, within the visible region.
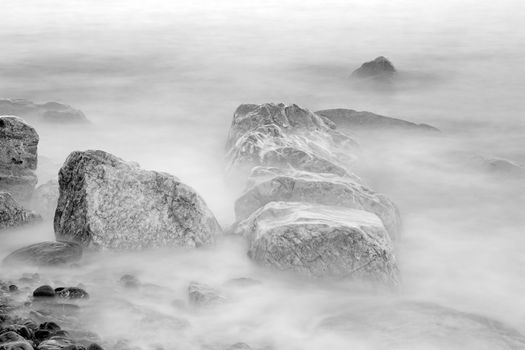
(18, 157)
(71, 293)
(379, 68)
(47, 112)
(107, 202)
(44, 291)
(129, 281)
(203, 295)
(13, 214)
(55, 343)
(353, 121)
(46, 254)
(94, 346)
(42, 334)
(13, 288)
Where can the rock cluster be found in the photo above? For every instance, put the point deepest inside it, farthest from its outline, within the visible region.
(303, 209)
(18, 157)
(105, 202)
(47, 112)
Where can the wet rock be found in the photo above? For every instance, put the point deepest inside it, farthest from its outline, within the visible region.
(13, 288)
(354, 121)
(18, 157)
(379, 69)
(71, 293)
(44, 292)
(94, 346)
(46, 254)
(321, 241)
(44, 199)
(13, 214)
(56, 343)
(129, 281)
(106, 202)
(47, 112)
(203, 295)
(16, 345)
(322, 189)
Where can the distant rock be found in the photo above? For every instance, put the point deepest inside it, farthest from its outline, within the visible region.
(18, 157)
(378, 69)
(490, 165)
(203, 295)
(351, 120)
(44, 199)
(53, 112)
(13, 214)
(46, 254)
(321, 241)
(325, 189)
(106, 202)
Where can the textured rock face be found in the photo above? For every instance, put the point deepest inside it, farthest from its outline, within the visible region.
(203, 295)
(303, 209)
(44, 199)
(18, 157)
(46, 254)
(325, 189)
(47, 112)
(12, 214)
(109, 203)
(286, 136)
(321, 241)
(379, 68)
(348, 119)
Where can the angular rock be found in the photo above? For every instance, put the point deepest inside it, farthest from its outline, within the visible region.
(325, 189)
(44, 199)
(286, 136)
(46, 254)
(203, 295)
(18, 157)
(13, 214)
(106, 202)
(379, 68)
(351, 120)
(47, 112)
(321, 241)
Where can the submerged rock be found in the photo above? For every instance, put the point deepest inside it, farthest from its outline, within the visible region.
(18, 157)
(13, 214)
(325, 189)
(203, 295)
(321, 241)
(351, 120)
(44, 199)
(47, 112)
(106, 202)
(46, 254)
(379, 69)
(400, 325)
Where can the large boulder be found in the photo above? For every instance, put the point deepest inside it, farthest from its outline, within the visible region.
(351, 120)
(325, 189)
(378, 69)
(13, 214)
(286, 136)
(106, 202)
(18, 157)
(46, 254)
(47, 112)
(321, 241)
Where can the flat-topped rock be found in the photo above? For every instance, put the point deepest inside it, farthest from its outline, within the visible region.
(53, 112)
(379, 68)
(320, 241)
(18, 157)
(106, 202)
(307, 187)
(13, 214)
(351, 120)
(46, 254)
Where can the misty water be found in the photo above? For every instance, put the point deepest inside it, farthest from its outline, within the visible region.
(160, 81)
